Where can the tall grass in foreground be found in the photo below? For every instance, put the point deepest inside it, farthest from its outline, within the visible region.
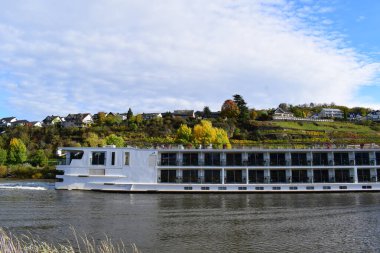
(10, 243)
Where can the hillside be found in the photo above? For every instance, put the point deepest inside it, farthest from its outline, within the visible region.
(160, 132)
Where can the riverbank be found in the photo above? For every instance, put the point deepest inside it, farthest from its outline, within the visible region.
(26, 171)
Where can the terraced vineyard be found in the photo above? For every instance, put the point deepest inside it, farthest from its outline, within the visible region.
(303, 134)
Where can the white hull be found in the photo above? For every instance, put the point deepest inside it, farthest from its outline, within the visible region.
(117, 185)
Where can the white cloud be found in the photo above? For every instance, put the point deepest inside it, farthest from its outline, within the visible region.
(64, 56)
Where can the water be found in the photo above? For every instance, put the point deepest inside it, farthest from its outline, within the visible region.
(199, 222)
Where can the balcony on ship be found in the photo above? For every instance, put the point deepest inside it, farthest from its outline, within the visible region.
(190, 159)
(341, 158)
(234, 159)
(168, 159)
(362, 158)
(212, 159)
(299, 159)
(277, 159)
(255, 159)
(320, 159)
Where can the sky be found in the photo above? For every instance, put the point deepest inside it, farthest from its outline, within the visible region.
(60, 57)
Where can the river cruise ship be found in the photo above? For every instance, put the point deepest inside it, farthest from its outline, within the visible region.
(253, 170)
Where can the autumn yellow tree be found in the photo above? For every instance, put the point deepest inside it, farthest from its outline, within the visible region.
(204, 133)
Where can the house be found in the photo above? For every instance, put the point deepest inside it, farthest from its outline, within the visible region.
(185, 114)
(355, 117)
(7, 121)
(209, 115)
(52, 120)
(374, 115)
(78, 120)
(148, 116)
(330, 113)
(167, 115)
(20, 123)
(35, 124)
(124, 116)
(279, 112)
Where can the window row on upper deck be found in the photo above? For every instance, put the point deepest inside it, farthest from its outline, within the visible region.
(268, 159)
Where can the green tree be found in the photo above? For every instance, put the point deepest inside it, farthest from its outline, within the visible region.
(184, 134)
(101, 118)
(284, 106)
(3, 156)
(221, 139)
(253, 114)
(139, 119)
(93, 140)
(206, 112)
(129, 113)
(112, 119)
(230, 109)
(242, 105)
(17, 151)
(39, 158)
(113, 139)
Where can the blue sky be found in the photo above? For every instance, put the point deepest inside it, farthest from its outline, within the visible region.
(60, 57)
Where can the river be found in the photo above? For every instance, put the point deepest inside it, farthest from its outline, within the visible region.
(339, 222)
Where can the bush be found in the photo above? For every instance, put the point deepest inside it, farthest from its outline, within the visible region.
(3, 171)
(21, 171)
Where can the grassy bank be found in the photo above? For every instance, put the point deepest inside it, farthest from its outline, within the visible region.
(26, 171)
(10, 243)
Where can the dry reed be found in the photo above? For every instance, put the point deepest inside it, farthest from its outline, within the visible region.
(10, 243)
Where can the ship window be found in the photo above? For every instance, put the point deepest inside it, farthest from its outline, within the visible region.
(190, 159)
(326, 187)
(309, 187)
(126, 158)
(341, 159)
(277, 159)
(205, 188)
(98, 158)
(234, 159)
(188, 188)
(293, 188)
(320, 159)
(222, 188)
(343, 187)
(259, 188)
(113, 158)
(255, 159)
(212, 159)
(362, 158)
(243, 188)
(77, 155)
(366, 187)
(276, 188)
(299, 159)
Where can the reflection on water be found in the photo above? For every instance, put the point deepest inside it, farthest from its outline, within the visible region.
(201, 222)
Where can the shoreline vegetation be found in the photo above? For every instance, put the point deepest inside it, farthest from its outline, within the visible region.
(27, 171)
(10, 243)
